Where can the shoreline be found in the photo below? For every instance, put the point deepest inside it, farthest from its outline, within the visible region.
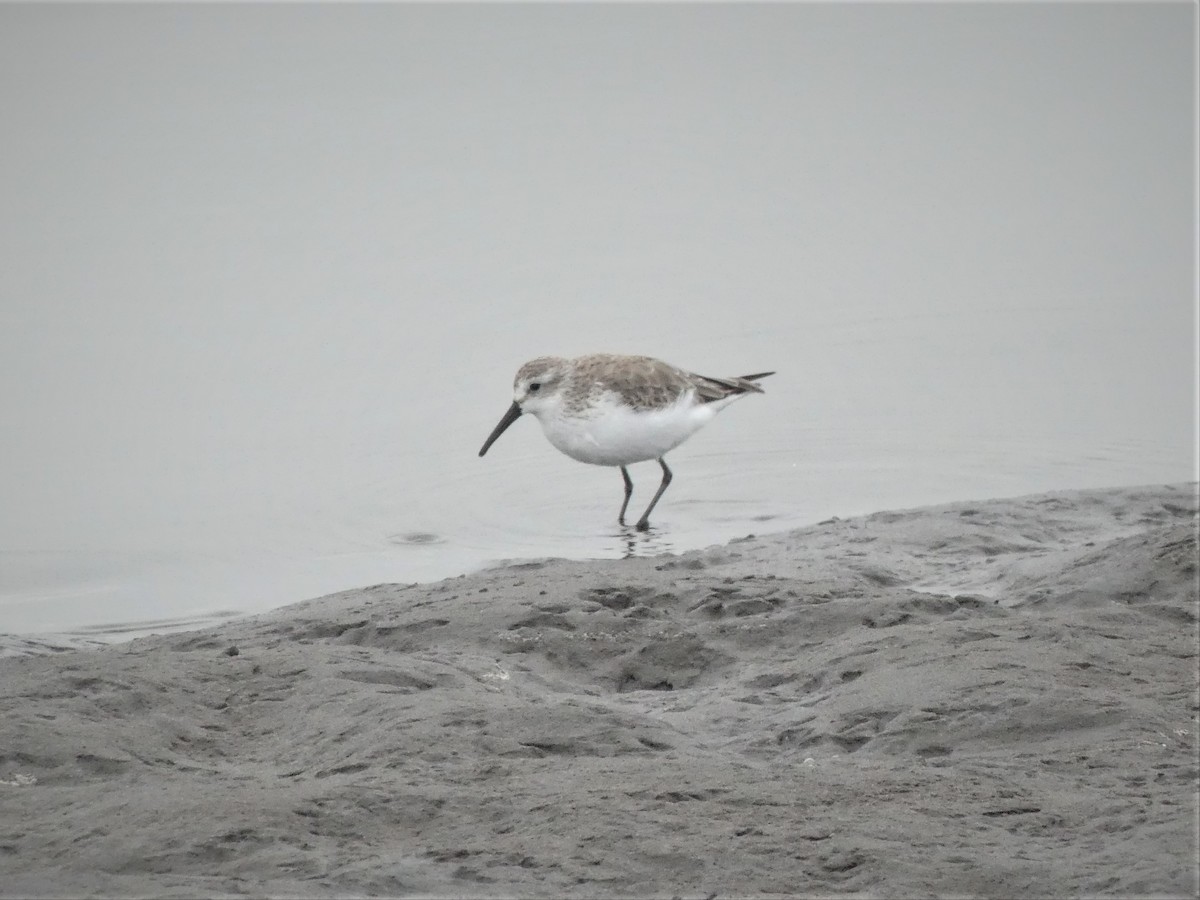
(38, 641)
(900, 703)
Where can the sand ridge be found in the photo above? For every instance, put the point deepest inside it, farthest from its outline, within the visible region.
(978, 699)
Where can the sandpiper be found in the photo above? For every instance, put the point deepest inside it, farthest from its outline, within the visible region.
(611, 410)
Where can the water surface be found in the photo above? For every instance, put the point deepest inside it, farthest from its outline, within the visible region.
(269, 272)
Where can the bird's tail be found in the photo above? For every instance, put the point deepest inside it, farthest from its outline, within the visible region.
(720, 388)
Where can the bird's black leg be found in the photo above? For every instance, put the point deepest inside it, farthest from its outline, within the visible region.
(644, 522)
(628, 494)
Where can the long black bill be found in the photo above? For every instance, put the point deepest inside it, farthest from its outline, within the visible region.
(514, 413)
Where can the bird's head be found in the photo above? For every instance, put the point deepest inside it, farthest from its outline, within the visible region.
(536, 390)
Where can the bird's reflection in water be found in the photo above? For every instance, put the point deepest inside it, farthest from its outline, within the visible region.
(636, 544)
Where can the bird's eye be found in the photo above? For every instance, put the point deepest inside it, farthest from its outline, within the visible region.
(536, 386)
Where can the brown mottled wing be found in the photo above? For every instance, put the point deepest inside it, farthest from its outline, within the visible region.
(709, 389)
(641, 381)
(653, 383)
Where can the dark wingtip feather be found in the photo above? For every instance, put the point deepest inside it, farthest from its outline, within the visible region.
(719, 388)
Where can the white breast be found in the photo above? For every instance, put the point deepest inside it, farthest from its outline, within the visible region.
(610, 433)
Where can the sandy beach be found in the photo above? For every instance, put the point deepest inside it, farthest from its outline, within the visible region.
(984, 699)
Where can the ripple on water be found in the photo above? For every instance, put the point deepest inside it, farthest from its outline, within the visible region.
(534, 504)
(416, 538)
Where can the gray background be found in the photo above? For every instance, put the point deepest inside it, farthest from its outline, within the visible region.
(267, 273)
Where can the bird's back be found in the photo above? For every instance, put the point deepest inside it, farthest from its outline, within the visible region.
(645, 383)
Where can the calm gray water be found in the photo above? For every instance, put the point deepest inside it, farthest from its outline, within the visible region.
(269, 271)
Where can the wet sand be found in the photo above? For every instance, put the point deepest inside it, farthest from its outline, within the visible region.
(986, 699)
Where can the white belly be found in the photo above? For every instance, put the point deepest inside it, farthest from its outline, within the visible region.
(612, 434)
